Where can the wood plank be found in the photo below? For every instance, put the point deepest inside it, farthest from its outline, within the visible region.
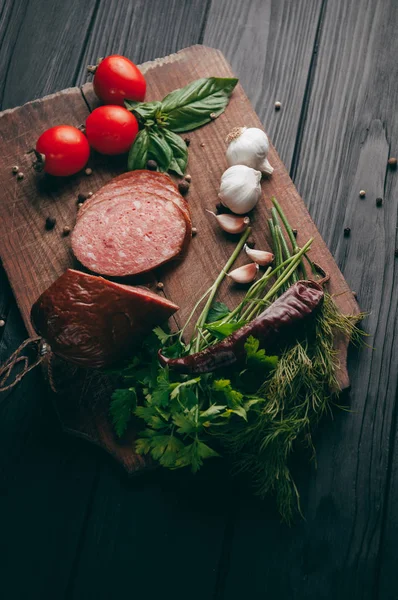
(270, 46)
(351, 128)
(143, 30)
(157, 535)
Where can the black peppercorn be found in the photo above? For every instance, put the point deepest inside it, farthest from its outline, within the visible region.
(347, 231)
(183, 187)
(194, 231)
(187, 141)
(152, 165)
(66, 231)
(295, 232)
(251, 243)
(50, 223)
(81, 198)
(160, 285)
(379, 201)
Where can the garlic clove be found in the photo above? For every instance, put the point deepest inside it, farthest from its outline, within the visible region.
(245, 274)
(249, 146)
(240, 188)
(261, 257)
(231, 223)
(266, 168)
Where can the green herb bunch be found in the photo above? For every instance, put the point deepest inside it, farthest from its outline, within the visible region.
(182, 110)
(258, 414)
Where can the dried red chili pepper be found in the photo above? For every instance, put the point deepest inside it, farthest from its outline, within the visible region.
(276, 326)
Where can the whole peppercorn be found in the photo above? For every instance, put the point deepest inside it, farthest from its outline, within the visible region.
(251, 242)
(188, 178)
(362, 194)
(347, 231)
(88, 171)
(278, 105)
(354, 294)
(50, 223)
(66, 231)
(295, 232)
(79, 204)
(15, 169)
(81, 198)
(90, 194)
(152, 165)
(392, 163)
(183, 188)
(194, 231)
(20, 176)
(379, 201)
(213, 116)
(160, 285)
(202, 145)
(187, 141)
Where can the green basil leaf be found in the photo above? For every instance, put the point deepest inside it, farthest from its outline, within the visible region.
(180, 152)
(143, 110)
(159, 150)
(138, 155)
(190, 107)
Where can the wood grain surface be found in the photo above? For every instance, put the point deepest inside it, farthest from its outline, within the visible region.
(70, 519)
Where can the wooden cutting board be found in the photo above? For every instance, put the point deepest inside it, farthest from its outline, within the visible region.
(33, 257)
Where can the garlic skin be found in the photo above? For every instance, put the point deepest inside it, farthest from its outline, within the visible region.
(249, 146)
(231, 223)
(240, 188)
(245, 274)
(261, 257)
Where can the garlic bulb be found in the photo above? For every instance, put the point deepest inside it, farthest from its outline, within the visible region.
(245, 274)
(231, 223)
(249, 146)
(261, 257)
(240, 188)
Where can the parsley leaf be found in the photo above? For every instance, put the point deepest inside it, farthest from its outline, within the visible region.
(233, 397)
(256, 357)
(161, 393)
(223, 330)
(121, 409)
(218, 311)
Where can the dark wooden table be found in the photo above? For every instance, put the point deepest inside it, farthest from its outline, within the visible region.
(72, 524)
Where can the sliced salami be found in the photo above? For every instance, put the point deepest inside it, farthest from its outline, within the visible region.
(132, 235)
(144, 181)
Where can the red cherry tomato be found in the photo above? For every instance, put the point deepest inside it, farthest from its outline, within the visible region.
(117, 79)
(65, 149)
(111, 129)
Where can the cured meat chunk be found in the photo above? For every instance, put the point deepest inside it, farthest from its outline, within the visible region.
(92, 322)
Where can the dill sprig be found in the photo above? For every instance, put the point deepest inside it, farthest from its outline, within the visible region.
(298, 393)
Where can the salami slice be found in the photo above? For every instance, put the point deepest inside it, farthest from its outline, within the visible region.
(92, 322)
(148, 181)
(134, 235)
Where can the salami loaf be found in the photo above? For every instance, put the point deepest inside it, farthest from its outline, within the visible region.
(92, 322)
